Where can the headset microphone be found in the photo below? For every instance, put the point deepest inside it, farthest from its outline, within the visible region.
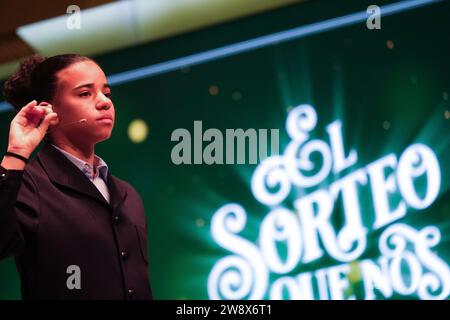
(68, 124)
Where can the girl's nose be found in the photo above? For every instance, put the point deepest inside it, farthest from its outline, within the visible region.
(104, 102)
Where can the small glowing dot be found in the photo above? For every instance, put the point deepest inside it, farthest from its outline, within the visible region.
(390, 44)
(138, 130)
(289, 108)
(200, 222)
(355, 272)
(386, 125)
(213, 90)
(236, 96)
(445, 95)
(447, 114)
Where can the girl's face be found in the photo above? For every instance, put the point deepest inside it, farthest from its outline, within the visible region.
(83, 93)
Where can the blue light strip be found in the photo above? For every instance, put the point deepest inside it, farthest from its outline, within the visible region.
(263, 41)
(260, 42)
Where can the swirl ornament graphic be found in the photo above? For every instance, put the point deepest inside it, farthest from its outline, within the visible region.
(434, 283)
(274, 177)
(409, 263)
(243, 275)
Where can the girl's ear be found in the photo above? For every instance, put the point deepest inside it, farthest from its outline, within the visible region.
(45, 104)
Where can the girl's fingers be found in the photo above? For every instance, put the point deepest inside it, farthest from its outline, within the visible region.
(35, 116)
(51, 118)
(48, 109)
(37, 113)
(54, 119)
(33, 108)
(29, 106)
(37, 110)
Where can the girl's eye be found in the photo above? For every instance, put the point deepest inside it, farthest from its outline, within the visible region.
(108, 95)
(85, 94)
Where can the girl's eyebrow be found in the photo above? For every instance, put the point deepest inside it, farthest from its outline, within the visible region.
(90, 85)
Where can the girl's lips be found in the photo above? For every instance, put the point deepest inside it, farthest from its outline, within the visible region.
(105, 120)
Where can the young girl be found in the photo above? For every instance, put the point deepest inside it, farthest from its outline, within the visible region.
(76, 231)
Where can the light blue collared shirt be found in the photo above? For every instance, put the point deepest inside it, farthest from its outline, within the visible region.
(98, 178)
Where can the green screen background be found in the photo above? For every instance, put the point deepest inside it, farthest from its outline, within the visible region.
(386, 98)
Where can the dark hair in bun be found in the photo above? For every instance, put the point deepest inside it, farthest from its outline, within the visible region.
(36, 78)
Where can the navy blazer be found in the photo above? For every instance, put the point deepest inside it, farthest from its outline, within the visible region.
(54, 220)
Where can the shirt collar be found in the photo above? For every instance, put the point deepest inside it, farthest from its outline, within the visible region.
(86, 168)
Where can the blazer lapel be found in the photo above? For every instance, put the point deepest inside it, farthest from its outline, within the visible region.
(116, 191)
(63, 172)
